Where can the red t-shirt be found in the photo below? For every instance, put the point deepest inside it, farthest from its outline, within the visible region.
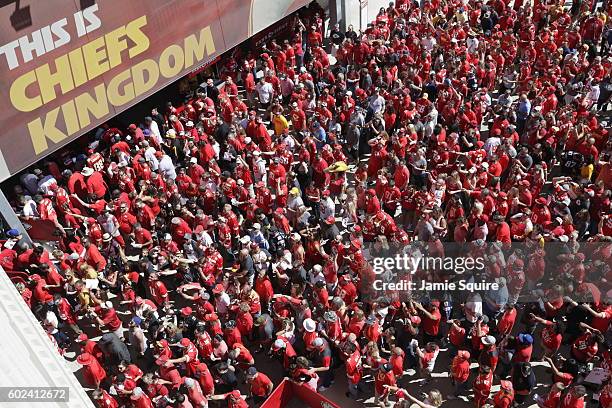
(259, 385)
(550, 339)
(460, 369)
(432, 326)
(571, 401)
(353, 367)
(456, 336)
(506, 322)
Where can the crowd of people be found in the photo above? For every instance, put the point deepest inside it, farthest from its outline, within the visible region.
(238, 230)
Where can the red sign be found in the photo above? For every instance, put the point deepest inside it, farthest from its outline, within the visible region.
(287, 390)
(65, 69)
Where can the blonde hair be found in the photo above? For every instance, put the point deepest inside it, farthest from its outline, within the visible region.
(435, 398)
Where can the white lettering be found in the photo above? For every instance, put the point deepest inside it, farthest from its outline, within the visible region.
(28, 47)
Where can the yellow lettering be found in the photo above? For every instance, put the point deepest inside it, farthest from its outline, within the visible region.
(94, 53)
(133, 30)
(115, 43)
(115, 96)
(142, 84)
(40, 132)
(79, 73)
(70, 118)
(194, 49)
(47, 81)
(86, 104)
(174, 52)
(19, 95)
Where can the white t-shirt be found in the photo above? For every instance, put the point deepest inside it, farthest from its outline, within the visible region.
(265, 92)
(223, 303)
(166, 167)
(155, 132)
(150, 157)
(29, 208)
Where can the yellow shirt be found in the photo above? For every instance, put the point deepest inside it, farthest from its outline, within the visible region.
(280, 124)
(586, 172)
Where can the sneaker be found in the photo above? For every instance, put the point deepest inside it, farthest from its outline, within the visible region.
(321, 389)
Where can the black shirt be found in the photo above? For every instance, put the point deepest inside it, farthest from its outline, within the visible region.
(336, 37)
(351, 35)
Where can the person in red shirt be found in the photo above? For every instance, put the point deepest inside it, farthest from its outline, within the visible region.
(460, 372)
(574, 398)
(66, 313)
(427, 359)
(131, 371)
(189, 357)
(456, 336)
(158, 290)
(322, 362)
(194, 393)
(585, 347)
(140, 399)
(142, 237)
(551, 336)
(601, 314)
(507, 320)
(383, 379)
(106, 316)
(90, 347)
(95, 182)
(103, 399)
(76, 183)
(489, 355)
(234, 399)
(282, 349)
(560, 377)
(505, 396)
(93, 256)
(241, 355)
(205, 379)
(482, 386)
(93, 372)
(431, 320)
(260, 385)
(503, 233)
(523, 348)
(397, 362)
(353, 366)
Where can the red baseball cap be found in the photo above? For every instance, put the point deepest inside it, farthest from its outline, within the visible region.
(85, 359)
(211, 317)
(186, 311)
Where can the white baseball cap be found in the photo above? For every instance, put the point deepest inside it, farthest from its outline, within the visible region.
(310, 325)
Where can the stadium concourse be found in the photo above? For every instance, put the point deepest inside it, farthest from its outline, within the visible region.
(207, 251)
